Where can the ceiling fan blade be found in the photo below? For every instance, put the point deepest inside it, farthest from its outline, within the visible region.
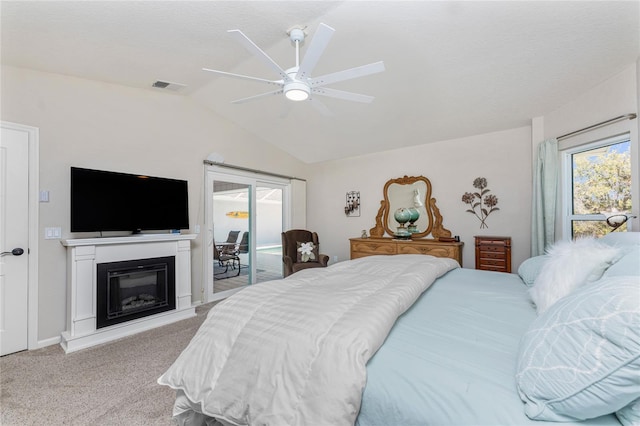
(256, 51)
(244, 77)
(319, 42)
(341, 94)
(253, 98)
(356, 72)
(321, 107)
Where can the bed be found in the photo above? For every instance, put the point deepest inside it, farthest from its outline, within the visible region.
(426, 343)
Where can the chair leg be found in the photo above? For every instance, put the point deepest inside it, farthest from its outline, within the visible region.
(225, 264)
(238, 274)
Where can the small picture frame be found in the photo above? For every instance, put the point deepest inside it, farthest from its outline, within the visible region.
(352, 206)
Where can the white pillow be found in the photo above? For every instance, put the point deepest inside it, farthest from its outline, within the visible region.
(569, 265)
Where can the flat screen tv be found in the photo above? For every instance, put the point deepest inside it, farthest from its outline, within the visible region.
(110, 201)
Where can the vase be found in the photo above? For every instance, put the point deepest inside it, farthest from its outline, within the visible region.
(402, 215)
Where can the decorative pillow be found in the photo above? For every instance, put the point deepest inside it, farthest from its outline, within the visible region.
(621, 238)
(570, 264)
(307, 252)
(630, 415)
(629, 263)
(580, 359)
(530, 269)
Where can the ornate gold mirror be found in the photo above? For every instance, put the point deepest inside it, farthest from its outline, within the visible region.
(410, 193)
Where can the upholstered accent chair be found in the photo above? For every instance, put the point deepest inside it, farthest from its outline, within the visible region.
(308, 256)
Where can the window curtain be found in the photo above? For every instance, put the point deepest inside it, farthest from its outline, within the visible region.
(545, 187)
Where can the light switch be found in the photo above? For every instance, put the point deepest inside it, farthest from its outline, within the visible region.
(52, 233)
(44, 196)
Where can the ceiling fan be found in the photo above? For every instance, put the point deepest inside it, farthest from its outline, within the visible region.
(296, 82)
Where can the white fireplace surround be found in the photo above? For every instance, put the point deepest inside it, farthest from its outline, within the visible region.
(82, 257)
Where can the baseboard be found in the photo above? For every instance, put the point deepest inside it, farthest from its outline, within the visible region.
(72, 343)
(47, 342)
(56, 340)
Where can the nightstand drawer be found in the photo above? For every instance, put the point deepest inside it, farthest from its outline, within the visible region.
(499, 248)
(493, 262)
(492, 254)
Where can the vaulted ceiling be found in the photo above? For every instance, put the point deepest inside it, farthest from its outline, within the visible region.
(453, 69)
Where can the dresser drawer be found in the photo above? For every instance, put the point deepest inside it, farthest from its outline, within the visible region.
(438, 251)
(361, 247)
(372, 247)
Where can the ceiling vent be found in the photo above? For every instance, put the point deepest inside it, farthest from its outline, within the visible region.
(168, 85)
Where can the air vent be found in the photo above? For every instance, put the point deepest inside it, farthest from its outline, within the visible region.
(168, 85)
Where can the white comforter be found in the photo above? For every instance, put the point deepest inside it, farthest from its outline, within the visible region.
(294, 351)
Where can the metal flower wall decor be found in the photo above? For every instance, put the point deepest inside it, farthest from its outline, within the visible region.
(477, 198)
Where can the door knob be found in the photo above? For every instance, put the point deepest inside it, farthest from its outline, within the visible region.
(16, 252)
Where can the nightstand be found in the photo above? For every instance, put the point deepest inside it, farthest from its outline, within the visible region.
(493, 253)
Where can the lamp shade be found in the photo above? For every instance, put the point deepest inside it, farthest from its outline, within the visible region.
(297, 91)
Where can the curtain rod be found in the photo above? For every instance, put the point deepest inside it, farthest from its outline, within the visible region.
(247, 169)
(595, 126)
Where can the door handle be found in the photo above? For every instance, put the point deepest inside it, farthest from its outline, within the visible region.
(16, 252)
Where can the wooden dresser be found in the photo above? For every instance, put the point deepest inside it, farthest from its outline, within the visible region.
(361, 247)
(493, 253)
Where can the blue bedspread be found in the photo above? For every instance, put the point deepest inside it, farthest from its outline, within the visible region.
(451, 358)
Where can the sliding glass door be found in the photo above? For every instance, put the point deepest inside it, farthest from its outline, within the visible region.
(245, 214)
(269, 226)
(231, 229)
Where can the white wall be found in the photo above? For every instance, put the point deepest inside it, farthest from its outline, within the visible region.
(503, 158)
(103, 126)
(614, 97)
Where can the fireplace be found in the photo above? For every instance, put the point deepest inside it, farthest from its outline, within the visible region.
(134, 289)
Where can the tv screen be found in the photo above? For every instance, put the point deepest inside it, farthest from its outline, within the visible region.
(111, 201)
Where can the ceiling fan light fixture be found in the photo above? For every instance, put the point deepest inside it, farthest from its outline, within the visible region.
(296, 91)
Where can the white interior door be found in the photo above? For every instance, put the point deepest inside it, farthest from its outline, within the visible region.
(14, 240)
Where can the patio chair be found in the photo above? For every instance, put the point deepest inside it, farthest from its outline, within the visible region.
(225, 259)
(229, 246)
(243, 247)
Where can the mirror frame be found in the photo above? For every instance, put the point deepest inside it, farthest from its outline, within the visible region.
(434, 217)
(407, 180)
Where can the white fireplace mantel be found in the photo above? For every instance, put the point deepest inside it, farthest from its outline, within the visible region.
(82, 257)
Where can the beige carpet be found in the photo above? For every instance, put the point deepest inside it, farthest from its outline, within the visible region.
(110, 384)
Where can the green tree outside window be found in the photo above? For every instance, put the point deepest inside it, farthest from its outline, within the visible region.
(601, 183)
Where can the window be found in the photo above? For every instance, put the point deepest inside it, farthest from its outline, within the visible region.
(598, 184)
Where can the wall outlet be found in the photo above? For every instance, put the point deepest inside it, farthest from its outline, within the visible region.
(335, 258)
